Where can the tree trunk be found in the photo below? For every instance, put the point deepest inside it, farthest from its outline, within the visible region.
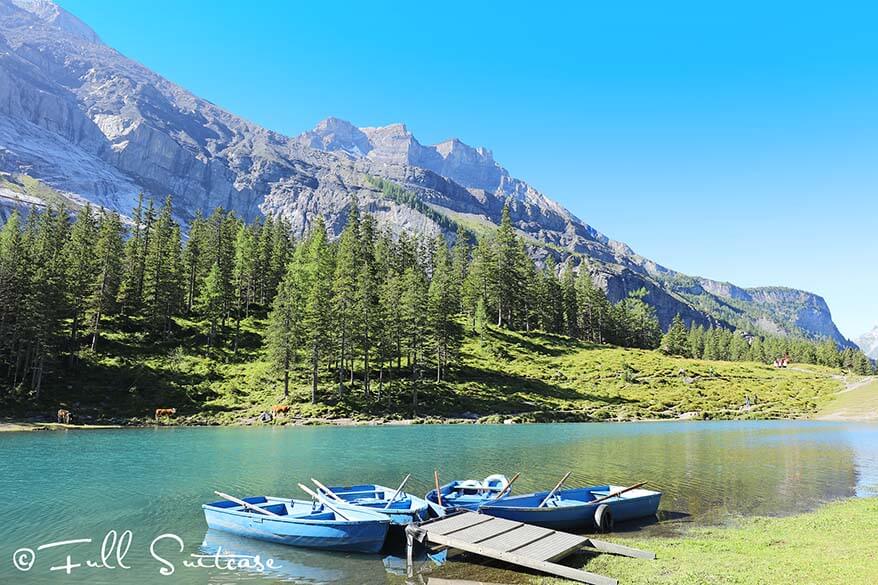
(97, 325)
(381, 381)
(315, 362)
(286, 376)
(367, 391)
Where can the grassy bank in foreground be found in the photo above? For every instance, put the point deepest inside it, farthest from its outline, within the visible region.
(834, 545)
(502, 375)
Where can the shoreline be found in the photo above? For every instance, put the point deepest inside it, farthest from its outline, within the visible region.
(25, 424)
(810, 547)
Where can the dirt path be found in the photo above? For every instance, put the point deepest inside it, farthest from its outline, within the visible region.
(12, 427)
(858, 401)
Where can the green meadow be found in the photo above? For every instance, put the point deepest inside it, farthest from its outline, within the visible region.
(503, 375)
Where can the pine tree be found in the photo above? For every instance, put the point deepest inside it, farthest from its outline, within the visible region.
(695, 341)
(757, 351)
(210, 302)
(344, 288)
(480, 285)
(286, 336)
(279, 256)
(109, 251)
(81, 268)
(508, 267)
(641, 327)
(569, 298)
(413, 306)
(595, 322)
(318, 300)
(243, 273)
(442, 309)
(367, 299)
(46, 304)
(828, 354)
(675, 341)
(195, 255)
(163, 282)
(15, 267)
(131, 290)
(739, 349)
(460, 258)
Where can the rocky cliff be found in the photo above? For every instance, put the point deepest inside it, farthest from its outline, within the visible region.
(869, 343)
(89, 124)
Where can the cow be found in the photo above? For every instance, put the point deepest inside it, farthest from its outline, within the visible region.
(160, 412)
(63, 416)
(280, 408)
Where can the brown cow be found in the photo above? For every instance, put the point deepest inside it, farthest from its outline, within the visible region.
(280, 408)
(63, 416)
(160, 412)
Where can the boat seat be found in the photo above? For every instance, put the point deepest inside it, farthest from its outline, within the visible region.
(315, 516)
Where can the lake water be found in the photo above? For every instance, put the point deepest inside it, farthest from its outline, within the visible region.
(58, 486)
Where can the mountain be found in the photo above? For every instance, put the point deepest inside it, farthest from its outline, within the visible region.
(868, 342)
(81, 122)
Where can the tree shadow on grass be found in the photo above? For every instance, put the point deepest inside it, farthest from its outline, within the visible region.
(107, 390)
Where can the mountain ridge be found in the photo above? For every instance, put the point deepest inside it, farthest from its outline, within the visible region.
(868, 342)
(96, 126)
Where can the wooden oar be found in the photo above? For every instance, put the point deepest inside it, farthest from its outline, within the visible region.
(554, 489)
(246, 505)
(508, 486)
(438, 491)
(323, 501)
(328, 491)
(399, 489)
(618, 492)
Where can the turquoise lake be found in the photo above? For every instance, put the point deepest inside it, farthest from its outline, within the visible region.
(73, 485)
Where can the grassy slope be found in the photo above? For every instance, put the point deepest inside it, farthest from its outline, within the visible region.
(535, 377)
(825, 547)
(859, 402)
(27, 185)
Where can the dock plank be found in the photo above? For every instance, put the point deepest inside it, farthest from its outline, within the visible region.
(486, 530)
(513, 542)
(515, 538)
(459, 522)
(552, 547)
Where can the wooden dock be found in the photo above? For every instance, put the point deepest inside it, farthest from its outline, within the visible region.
(517, 543)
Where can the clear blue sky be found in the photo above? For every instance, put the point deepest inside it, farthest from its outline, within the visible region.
(737, 142)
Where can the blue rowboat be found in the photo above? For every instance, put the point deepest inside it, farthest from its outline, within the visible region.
(468, 494)
(403, 510)
(301, 523)
(576, 509)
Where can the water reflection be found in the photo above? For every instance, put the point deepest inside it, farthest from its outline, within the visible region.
(82, 484)
(296, 565)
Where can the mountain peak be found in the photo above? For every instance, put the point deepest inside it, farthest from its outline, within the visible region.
(869, 343)
(53, 15)
(335, 134)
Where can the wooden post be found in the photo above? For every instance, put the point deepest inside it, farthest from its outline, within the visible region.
(438, 492)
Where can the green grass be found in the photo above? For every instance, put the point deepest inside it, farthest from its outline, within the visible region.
(27, 185)
(502, 375)
(833, 545)
(858, 403)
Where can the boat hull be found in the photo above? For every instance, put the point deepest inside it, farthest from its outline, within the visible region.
(366, 534)
(574, 509)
